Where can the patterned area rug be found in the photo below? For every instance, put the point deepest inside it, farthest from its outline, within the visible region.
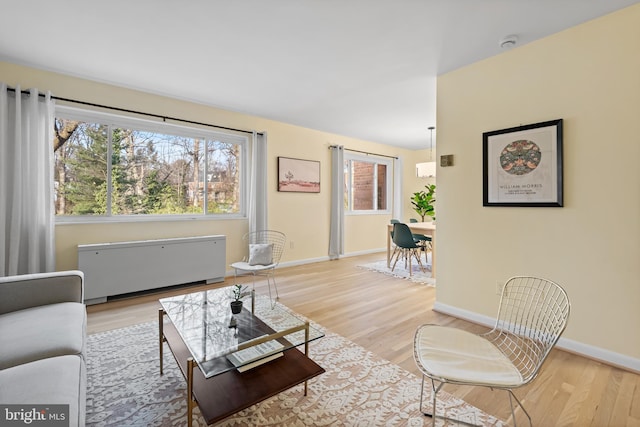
(358, 389)
(417, 276)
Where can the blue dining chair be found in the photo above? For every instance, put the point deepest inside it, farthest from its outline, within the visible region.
(395, 248)
(406, 246)
(423, 241)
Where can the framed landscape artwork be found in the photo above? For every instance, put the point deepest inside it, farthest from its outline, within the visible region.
(522, 166)
(297, 175)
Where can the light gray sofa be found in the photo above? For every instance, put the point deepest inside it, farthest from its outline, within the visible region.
(43, 324)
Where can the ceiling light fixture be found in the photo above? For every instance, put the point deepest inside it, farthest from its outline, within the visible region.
(427, 169)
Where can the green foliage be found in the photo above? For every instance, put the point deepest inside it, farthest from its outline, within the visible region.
(87, 191)
(239, 292)
(423, 201)
(147, 173)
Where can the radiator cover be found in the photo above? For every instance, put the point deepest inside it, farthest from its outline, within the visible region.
(123, 267)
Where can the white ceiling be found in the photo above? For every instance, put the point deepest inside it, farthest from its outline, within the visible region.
(360, 68)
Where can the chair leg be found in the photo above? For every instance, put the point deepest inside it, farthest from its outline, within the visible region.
(513, 414)
(422, 394)
(397, 258)
(395, 250)
(434, 392)
(434, 396)
(275, 285)
(416, 254)
(272, 278)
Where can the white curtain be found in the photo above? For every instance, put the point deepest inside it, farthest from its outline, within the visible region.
(26, 182)
(397, 189)
(336, 230)
(257, 211)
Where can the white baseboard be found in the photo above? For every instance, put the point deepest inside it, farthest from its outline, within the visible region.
(326, 258)
(586, 350)
(319, 259)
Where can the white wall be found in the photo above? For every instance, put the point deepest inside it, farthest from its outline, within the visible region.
(589, 76)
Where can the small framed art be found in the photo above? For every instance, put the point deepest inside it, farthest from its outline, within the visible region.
(298, 175)
(522, 166)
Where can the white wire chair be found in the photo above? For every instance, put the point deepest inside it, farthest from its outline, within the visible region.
(532, 315)
(274, 240)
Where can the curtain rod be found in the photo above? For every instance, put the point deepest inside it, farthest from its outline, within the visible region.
(364, 152)
(124, 110)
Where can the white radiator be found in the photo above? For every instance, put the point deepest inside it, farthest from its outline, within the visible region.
(123, 267)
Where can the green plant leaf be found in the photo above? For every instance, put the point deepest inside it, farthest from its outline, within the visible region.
(423, 201)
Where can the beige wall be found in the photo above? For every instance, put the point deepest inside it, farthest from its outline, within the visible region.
(304, 218)
(589, 76)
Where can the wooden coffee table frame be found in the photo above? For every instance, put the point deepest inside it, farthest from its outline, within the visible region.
(225, 394)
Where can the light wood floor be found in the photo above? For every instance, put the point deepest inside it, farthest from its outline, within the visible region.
(381, 314)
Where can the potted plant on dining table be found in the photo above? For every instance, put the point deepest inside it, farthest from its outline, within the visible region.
(423, 202)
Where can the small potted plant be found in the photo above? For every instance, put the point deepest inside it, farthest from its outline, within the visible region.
(238, 292)
(422, 202)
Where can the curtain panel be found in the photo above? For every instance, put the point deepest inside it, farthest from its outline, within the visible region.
(397, 189)
(336, 228)
(26, 182)
(257, 211)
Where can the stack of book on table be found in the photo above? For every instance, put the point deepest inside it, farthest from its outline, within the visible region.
(256, 355)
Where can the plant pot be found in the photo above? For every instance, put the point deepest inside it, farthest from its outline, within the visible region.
(236, 307)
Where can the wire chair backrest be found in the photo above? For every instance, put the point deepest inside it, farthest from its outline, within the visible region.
(533, 314)
(276, 238)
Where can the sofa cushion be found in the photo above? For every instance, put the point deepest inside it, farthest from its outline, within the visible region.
(39, 332)
(54, 381)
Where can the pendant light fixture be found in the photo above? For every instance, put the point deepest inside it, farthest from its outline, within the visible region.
(427, 169)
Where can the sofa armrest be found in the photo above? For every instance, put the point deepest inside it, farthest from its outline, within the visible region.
(32, 290)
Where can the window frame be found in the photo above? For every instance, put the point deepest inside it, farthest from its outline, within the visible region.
(349, 156)
(191, 131)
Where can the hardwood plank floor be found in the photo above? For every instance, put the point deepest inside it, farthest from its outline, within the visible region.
(381, 313)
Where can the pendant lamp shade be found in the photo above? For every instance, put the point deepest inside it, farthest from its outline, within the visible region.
(427, 169)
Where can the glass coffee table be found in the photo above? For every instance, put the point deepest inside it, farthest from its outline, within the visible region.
(233, 361)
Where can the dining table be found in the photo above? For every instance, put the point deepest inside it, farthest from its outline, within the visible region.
(426, 228)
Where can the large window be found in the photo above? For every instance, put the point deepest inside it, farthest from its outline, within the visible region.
(111, 166)
(367, 184)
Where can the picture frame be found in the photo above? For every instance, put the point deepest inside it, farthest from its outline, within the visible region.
(298, 175)
(522, 166)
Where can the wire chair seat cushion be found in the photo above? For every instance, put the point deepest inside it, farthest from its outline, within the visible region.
(463, 357)
(245, 266)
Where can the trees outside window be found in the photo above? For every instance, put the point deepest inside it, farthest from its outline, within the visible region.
(113, 166)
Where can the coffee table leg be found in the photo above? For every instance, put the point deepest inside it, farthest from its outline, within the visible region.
(306, 348)
(190, 365)
(161, 334)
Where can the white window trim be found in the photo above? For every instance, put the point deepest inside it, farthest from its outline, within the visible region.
(348, 156)
(170, 129)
